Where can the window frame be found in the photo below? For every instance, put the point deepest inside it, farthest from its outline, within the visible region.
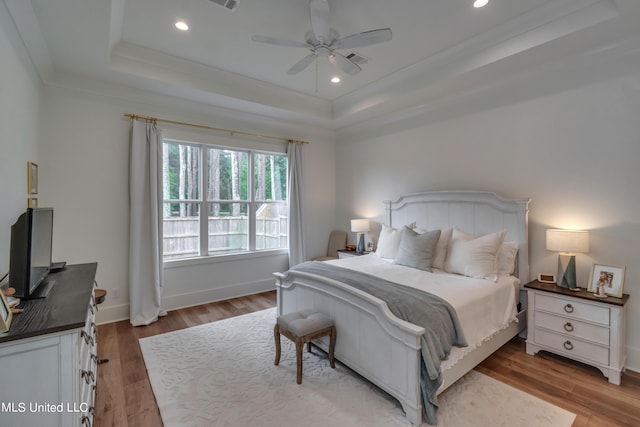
(203, 255)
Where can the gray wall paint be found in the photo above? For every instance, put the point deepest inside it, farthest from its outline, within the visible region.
(574, 153)
(19, 124)
(85, 154)
(79, 137)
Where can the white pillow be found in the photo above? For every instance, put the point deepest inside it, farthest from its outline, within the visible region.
(388, 242)
(474, 257)
(441, 248)
(507, 258)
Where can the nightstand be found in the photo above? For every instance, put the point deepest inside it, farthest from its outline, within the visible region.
(343, 253)
(579, 326)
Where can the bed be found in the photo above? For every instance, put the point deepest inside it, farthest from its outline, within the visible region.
(385, 349)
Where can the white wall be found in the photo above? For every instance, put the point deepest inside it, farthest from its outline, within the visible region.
(85, 178)
(19, 121)
(574, 153)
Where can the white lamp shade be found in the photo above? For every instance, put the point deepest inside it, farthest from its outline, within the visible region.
(359, 225)
(572, 241)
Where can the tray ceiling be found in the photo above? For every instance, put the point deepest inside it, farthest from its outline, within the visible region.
(437, 47)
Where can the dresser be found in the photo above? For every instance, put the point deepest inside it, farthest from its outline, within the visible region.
(48, 359)
(578, 325)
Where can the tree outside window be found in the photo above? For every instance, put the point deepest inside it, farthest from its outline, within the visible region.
(219, 200)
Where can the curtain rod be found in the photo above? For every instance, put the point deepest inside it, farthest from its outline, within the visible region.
(229, 131)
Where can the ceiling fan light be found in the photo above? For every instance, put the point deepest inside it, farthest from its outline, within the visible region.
(335, 79)
(480, 3)
(182, 26)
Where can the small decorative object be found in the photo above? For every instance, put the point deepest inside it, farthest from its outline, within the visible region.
(546, 278)
(360, 226)
(606, 280)
(5, 314)
(32, 178)
(568, 242)
(600, 293)
(32, 202)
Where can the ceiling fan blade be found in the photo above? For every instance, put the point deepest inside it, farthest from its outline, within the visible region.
(344, 63)
(302, 64)
(363, 39)
(279, 42)
(319, 10)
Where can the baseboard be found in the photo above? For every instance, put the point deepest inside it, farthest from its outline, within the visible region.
(116, 313)
(633, 358)
(235, 290)
(113, 313)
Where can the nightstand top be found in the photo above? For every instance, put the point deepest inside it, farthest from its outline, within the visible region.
(582, 294)
(353, 253)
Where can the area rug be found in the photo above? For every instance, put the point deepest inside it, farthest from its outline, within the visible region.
(222, 374)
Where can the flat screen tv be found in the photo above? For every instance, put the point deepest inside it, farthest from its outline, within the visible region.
(30, 253)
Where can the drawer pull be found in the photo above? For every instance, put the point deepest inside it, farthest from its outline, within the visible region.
(568, 327)
(567, 345)
(568, 308)
(88, 339)
(88, 376)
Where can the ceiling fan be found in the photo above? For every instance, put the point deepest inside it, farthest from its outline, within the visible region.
(323, 41)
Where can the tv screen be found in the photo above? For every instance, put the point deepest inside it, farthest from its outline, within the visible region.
(30, 256)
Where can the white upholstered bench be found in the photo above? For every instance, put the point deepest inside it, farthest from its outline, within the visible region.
(303, 327)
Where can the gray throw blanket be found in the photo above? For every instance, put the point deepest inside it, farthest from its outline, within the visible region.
(443, 330)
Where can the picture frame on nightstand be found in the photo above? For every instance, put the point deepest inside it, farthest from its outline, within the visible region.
(610, 277)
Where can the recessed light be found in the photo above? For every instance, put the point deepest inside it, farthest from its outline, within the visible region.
(182, 26)
(480, 3)
(335, 79)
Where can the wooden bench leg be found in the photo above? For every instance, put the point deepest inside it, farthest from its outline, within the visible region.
(332, 346)
(300, 341)
(276, 335)
(299, 346)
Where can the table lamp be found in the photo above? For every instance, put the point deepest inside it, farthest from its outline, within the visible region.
(360, 226)
(568, 242)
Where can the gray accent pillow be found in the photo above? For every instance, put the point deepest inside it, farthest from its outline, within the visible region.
(417, 250)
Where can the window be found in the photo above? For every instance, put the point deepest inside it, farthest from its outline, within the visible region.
(219, 200)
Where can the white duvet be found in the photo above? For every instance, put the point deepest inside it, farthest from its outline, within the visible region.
(483, 307)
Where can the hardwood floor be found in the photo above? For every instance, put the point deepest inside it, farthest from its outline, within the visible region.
(124, 397)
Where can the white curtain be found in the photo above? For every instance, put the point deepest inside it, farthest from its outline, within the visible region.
(294, 186)
(145, 224)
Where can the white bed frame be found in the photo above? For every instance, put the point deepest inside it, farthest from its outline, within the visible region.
(371, 340)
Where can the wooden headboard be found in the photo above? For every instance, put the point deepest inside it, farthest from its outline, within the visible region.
(477, 212)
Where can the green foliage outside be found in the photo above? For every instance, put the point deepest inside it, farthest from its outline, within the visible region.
(181, 174)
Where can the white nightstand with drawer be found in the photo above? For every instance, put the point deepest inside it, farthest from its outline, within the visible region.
(579, 326)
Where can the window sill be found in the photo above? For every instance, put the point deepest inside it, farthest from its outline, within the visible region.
(176, 263)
